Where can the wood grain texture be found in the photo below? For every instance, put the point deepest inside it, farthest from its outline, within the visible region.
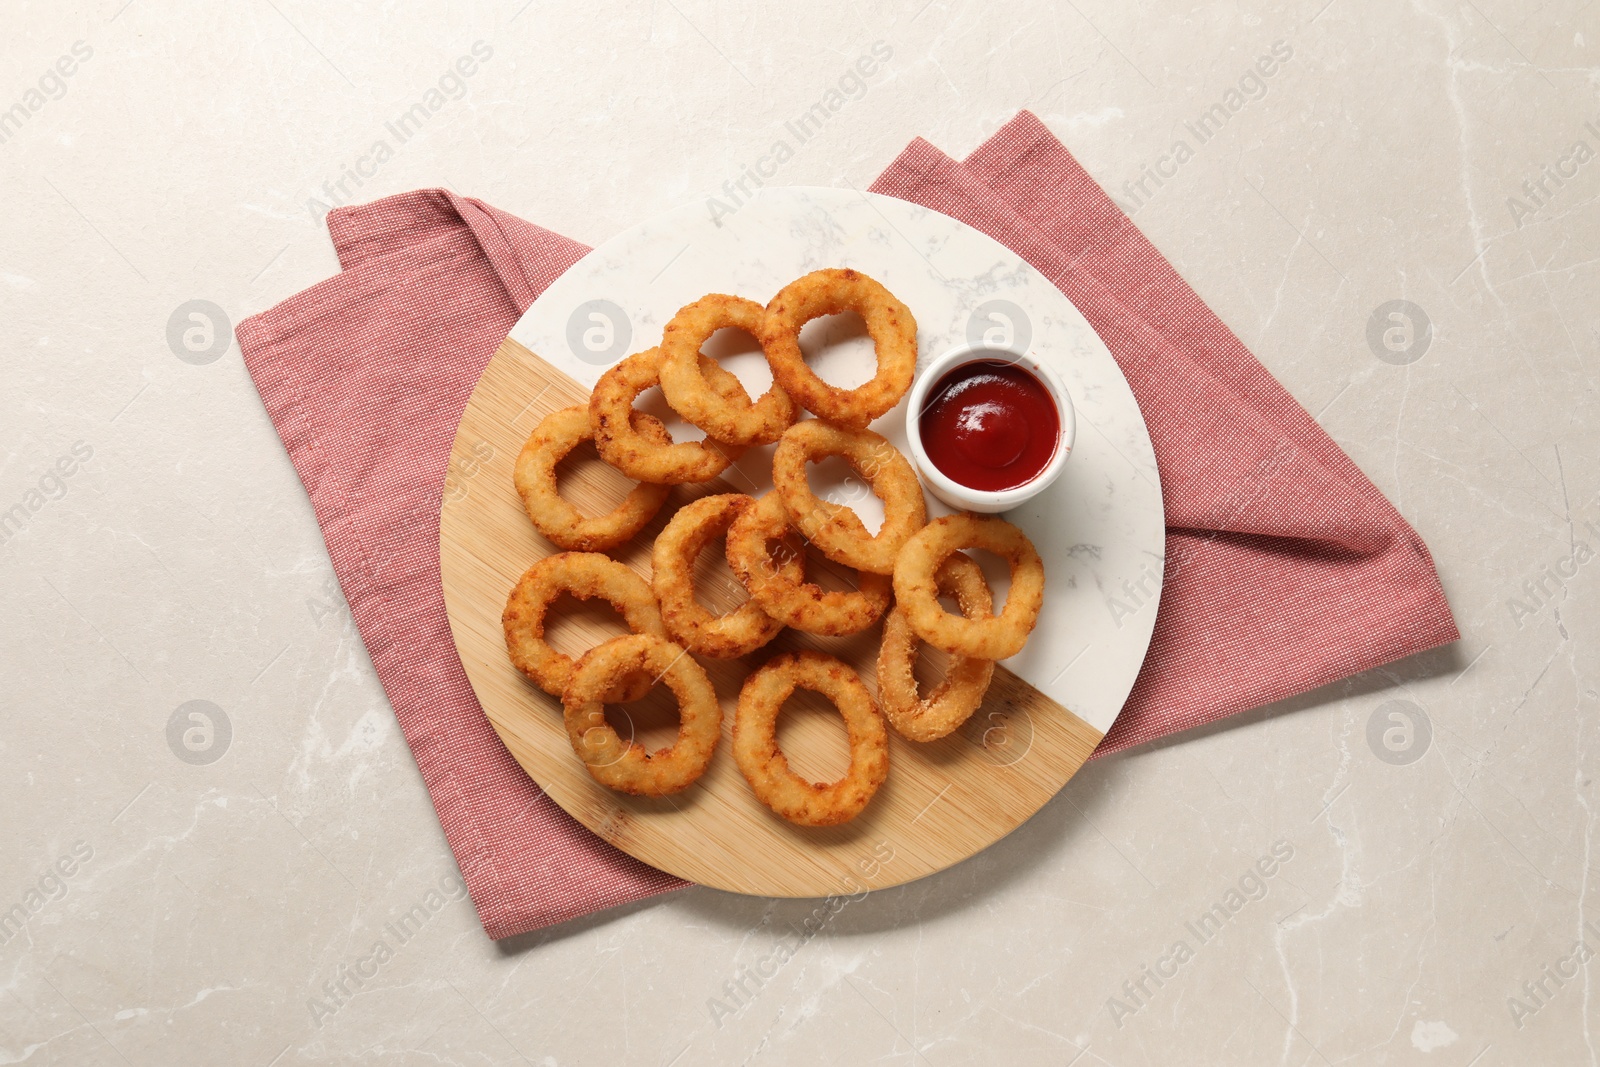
(942, 802)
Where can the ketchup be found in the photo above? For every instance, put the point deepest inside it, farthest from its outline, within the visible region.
(990, 425)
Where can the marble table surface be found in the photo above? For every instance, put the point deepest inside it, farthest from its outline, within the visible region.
(1393, 205)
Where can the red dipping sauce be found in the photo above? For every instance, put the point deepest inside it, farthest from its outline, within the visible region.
(990, 425)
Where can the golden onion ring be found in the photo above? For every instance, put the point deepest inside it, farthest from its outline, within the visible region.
(672, 561)
(755, 740)
(966, 680)
(917, 590)
(835, 529)
(587, 576)
(692, 396)
(564, 525)
(640, 454)
(889, 322)
(625, 765)
(783, 594)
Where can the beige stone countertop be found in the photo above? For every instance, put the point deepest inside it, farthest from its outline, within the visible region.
(1429, 899)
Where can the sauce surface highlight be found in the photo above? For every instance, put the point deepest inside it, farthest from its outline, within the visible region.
(990, 425)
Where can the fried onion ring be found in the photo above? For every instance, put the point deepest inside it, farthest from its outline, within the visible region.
(626, 766)
(640, 455)
(755, 741)
(916, 589)
(564, 525)
(688, 390)
(890, 323)
(966, 679)
(834, 528)
(742, 630)
(784, 595)
(587, 576)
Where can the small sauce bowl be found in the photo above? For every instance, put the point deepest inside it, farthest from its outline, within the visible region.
(952, 492)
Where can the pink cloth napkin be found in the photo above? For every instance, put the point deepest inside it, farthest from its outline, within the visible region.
(1286, 568)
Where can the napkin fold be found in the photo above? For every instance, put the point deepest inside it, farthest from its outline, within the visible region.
(1286, 568)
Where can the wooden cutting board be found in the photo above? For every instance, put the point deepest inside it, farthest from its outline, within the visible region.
(942, 802)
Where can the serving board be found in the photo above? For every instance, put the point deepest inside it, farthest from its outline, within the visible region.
(1099, 530)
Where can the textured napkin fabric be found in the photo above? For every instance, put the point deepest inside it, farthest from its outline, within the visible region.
(1286, 568)
(365, 377)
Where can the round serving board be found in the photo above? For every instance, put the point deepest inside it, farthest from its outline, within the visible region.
(1099, 529)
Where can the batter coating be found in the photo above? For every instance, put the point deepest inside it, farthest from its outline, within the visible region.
(640, 454)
